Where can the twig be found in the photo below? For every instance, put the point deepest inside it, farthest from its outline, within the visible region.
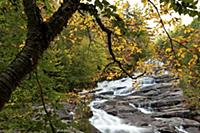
(140, 75)
(104, 70)
(108, 66)
(29, 129)
(170, 39)
(163, 25)
(43, 103)
(180, 44)
(89, 35)
(93, 11)
(109, 41)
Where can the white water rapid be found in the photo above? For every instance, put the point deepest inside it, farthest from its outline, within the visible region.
(143, 110)
(181, 129)
(108, 93)
(107, 123)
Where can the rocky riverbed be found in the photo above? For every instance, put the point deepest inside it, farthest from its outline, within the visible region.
(149, 104)
(156, 107)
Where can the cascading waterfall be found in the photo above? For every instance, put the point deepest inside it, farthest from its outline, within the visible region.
(108, 90)
(107, 123)
(143, 110)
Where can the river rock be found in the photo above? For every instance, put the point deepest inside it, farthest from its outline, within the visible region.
(157, 104)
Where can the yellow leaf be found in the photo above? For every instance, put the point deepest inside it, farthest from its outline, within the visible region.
(117, 31)
(125, 5)
(145, 2)
(21, 45)
(168, 50)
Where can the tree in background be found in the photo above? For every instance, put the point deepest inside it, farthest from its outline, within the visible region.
(183, 59)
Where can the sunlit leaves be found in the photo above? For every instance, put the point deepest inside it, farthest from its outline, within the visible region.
(185, 59)
(168, 50)
(184, 6)
(145, 2)
(193, 60)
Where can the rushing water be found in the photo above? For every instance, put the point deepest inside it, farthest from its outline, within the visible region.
(143, 110)
(107, 123)
(181, 129)
(108, 90)
(122, 87)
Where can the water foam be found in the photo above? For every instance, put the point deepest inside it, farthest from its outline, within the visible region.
(107, 123)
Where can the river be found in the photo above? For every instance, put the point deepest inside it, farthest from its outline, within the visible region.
(154, 107)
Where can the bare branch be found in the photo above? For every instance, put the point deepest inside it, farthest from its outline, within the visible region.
(140, 75)
(109, 41)
(44, 105)
(89, 35)
(93, 11)
(171, 40)
(108, 65)
(163, 25)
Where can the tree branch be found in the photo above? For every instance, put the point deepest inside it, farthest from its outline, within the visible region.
(107, 66)
(93, 11)
(39, 36)
(32, 12)
(60, 18)
(163, 25)
(109, 41)
(44, 105)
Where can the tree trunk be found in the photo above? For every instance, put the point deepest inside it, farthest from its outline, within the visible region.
(39, 36)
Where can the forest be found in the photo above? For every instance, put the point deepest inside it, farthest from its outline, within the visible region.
(53, 53)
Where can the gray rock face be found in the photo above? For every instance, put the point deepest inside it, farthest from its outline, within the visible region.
(158, 105)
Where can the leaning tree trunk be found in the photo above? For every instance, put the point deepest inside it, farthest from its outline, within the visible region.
(39, 36)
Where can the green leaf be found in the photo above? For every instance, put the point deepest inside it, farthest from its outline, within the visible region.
(47, 5)
(98, 4)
